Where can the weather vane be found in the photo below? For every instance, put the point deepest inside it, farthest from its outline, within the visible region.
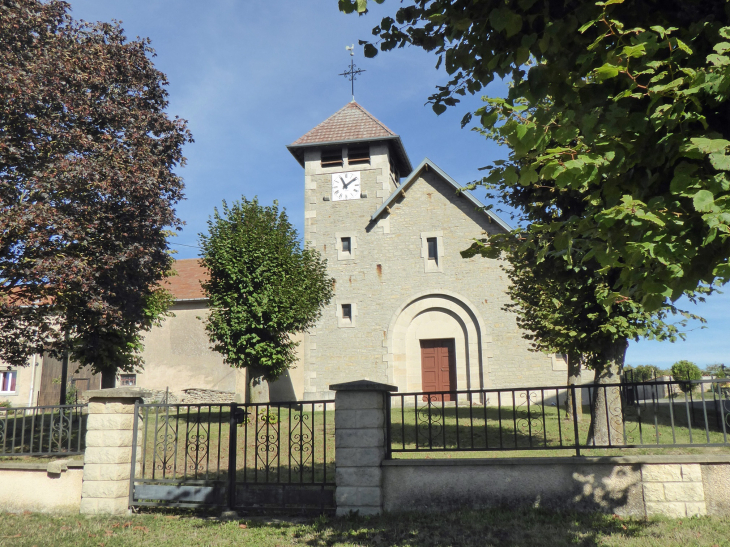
(353, 72)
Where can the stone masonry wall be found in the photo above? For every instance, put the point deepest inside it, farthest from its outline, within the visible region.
(387, 270)
(675, 486)
(196, 396)
(673, 490)
(108, 456)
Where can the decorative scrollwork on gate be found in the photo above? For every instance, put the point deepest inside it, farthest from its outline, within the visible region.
(615, 415)
(301, 441)
(529, 415)
(631, 419)
(267, 441)
(2, 431)
(196, 445)
(61, 429)
(430, 422)
(165, 441)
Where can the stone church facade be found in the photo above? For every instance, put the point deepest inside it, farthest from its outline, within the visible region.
(408, 309)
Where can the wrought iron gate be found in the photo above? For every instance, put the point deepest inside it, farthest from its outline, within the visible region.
(255, 457)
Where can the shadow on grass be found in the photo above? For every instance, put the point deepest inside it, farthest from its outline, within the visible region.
(515, 527)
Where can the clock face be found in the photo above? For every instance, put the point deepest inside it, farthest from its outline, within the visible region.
(346, 186)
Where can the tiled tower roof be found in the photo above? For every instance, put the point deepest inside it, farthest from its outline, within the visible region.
(350, 123)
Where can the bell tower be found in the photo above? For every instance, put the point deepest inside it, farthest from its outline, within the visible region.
(352, 163)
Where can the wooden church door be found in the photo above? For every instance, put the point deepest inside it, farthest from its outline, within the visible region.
(438, 367)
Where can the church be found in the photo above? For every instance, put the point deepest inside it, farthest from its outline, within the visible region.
(408, 309)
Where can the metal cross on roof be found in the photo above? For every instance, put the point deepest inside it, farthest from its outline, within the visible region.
(353, 72)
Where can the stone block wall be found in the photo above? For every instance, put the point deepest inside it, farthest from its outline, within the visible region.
(638, 486)
(673, 490)
(359, 446)
(108, 457)
(206, 396)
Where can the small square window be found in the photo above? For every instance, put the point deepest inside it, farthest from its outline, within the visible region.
(7, 381)
(332, 157)
(432, 248)
(346, 245)
(347, 312)
(128, 380)
(358, 154)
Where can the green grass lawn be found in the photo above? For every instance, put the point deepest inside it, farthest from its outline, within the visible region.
(542, 430)
(497, 527)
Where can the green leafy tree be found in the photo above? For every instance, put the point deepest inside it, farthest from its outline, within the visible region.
(644, 373)
(87, 188)
(263, 287)
(617, 123)
(682, 371)
(717, 370)
(622, 104)
(557, 309)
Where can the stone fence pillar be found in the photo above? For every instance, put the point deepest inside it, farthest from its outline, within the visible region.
(360, 433)
(108, 456)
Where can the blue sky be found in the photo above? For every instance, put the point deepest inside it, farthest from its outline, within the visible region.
(252, 76)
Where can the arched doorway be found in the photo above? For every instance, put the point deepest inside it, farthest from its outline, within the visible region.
(448, 319)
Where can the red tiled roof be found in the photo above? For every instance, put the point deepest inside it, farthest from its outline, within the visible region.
(352, 122)
(186, 284)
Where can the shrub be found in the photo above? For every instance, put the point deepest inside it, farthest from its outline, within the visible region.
(717, 370)
(686, 370)
(6, 404)
(643, 373)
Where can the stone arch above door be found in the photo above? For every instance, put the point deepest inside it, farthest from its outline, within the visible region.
(431, 314)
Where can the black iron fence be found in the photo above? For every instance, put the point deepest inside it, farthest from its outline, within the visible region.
(657, 414)
(254, 456)
(43, 431)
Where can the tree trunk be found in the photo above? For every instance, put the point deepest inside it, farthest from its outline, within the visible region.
(108, 379)
(606, 412)
(573, 380)
(258, 387)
